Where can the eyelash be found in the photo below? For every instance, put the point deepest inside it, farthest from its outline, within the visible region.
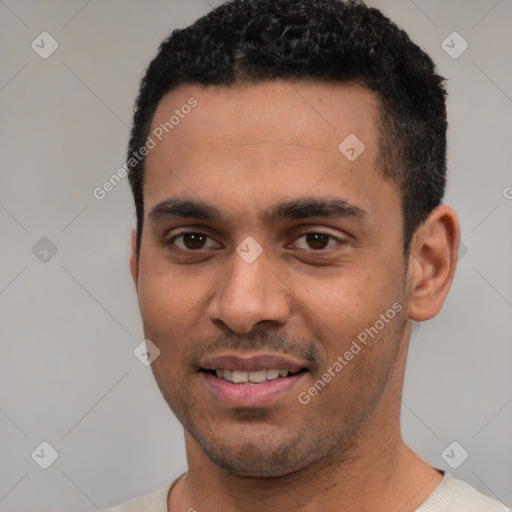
(325, 250)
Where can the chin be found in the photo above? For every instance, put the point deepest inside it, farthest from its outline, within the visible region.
(256, 466)
(256, 457)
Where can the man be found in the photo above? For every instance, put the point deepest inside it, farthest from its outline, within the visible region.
(287, 161)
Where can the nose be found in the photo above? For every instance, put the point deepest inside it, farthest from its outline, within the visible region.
(249, 295)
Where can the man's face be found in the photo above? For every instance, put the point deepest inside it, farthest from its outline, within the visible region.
(257, 161)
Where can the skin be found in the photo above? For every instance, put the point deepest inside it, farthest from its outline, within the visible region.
(243, 150)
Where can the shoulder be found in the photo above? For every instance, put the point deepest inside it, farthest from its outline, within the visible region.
(453, 495)
(155, 501)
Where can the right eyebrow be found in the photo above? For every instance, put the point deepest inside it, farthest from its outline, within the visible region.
(183, 208)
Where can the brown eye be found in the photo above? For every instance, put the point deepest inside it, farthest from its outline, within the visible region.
(317, 241)
(190, 241)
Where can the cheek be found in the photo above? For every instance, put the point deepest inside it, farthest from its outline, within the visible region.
(156, 304)
(350, 297)
(347, 309)
(162, 303)
(172, 310)
(162, 292)
(362, 352)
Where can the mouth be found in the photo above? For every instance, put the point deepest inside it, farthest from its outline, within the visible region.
(251, 381)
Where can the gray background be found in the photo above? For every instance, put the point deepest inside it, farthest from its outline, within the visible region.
(70, 320)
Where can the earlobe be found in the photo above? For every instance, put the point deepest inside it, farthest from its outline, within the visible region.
(134, 259)
(432, 262)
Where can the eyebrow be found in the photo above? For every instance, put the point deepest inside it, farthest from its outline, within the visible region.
(302, 208)
(313, 207)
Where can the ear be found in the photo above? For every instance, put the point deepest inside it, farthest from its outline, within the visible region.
(134, 260)
(432, 262)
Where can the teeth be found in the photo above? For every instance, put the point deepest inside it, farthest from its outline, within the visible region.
(239, 377)
(251, 377)
(257, 377)
(272, 374)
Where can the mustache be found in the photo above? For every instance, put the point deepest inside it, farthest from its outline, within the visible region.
(282, 343)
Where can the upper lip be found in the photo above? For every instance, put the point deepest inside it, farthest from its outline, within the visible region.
(251, 362)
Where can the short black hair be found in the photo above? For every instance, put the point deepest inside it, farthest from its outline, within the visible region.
(331, 41)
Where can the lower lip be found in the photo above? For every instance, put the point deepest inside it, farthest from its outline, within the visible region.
(250, 396)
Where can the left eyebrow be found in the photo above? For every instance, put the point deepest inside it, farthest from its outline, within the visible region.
(314, 207)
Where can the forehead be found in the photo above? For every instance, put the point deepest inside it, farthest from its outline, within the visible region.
(252, 142)
(310, 114)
